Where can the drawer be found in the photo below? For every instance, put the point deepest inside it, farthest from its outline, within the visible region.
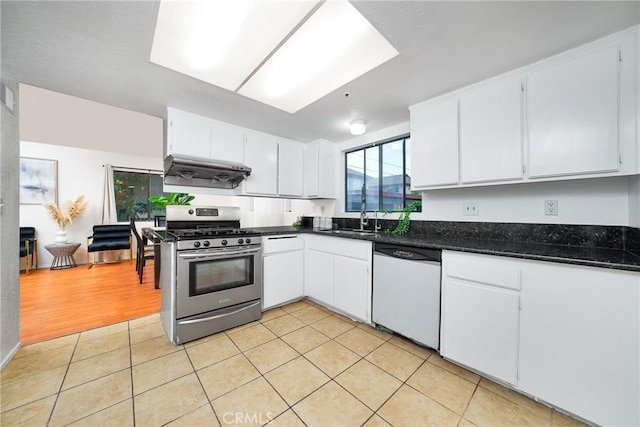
(338, 246)
(471, 269)
(283, 243)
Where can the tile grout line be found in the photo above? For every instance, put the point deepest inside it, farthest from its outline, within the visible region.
(209, 402)
(133, 400)
(265, 378)
(398, 389)
(75, 346)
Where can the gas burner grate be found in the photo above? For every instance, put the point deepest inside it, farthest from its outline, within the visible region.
(208, 232)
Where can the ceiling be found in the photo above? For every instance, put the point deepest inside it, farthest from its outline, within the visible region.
(100, 51)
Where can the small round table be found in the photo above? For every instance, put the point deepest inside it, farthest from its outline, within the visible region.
(63, 255)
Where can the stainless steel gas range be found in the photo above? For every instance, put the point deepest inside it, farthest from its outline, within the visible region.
(211, 277)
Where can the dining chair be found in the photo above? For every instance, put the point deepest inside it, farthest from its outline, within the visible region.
(111, 237)
(159, 221)
(29, 248)
(143, 253)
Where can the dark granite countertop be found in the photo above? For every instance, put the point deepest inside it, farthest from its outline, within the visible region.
(618, 259)
(614, 258)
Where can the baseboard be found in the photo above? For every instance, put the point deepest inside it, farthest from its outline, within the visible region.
(9, 356)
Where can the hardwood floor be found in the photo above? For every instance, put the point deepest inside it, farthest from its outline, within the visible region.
(54, 303)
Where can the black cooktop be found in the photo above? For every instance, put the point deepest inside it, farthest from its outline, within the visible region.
(197, 233)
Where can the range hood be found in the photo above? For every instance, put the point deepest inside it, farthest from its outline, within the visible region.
(200, 172)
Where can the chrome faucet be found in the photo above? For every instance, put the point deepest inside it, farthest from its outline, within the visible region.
(376, 227)
(364, 220)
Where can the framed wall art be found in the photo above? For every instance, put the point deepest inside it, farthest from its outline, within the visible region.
(38, 181)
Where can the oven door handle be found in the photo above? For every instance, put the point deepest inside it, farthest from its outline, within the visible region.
(218, 254)
(218, 316)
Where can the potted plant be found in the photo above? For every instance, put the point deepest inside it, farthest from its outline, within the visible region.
(405, 219)
(161, 202)
(65, 215)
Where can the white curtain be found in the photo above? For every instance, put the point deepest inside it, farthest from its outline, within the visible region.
(109, 215)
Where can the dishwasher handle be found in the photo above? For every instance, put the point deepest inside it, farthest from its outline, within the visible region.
(408, 253)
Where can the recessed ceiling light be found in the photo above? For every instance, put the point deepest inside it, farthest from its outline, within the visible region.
(222, 42)
(333, 47)
(358, 127)
(250, 46)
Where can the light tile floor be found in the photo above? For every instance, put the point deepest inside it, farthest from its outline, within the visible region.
(300, 365)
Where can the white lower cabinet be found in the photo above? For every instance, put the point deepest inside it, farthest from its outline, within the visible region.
(283, 269)
(480, 308)
(568, 335)
(351, 285)
(319, 276)
(338, 274)
(580, 341)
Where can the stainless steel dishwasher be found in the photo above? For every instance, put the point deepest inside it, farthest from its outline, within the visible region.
(406, 292)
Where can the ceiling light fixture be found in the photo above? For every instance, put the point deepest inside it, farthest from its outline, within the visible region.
(358, 127)
(287, 54)
(222, 42)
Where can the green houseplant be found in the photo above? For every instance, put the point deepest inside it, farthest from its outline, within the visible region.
(404, 220)
(161, 202)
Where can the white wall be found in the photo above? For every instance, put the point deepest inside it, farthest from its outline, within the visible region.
(604, 201)
(634, 201)
(259, 211)
(9, 233)
(601, 201)
(80, 172)
(59, 119)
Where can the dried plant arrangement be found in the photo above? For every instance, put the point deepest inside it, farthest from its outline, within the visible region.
(70, 211)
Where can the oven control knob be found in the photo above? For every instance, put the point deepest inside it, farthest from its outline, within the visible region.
(224, 243)
(196, 244)
(206, 243)
(240, 241)
(190, 211)
(247, 240)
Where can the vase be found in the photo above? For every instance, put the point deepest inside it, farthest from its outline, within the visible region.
(61, 237)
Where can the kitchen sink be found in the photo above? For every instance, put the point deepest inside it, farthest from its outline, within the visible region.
(351, 231)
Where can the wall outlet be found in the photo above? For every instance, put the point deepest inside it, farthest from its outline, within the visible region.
(470, 209)
(551, 207)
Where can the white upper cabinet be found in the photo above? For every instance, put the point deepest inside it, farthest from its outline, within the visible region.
(319, 170)
(261, 155)
(573, 114)
(188, 134)
(311, 170)
(434, 143)
(277, 164)
(291, 168)
(227, 142)
(490, 132)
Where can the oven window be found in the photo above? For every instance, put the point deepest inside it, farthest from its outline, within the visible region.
(217, 275)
